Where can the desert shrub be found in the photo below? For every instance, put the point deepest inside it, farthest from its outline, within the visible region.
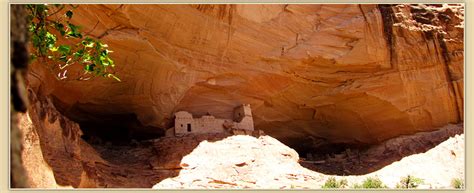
(333, 183)
(371, 182)
(356, 185)
(457, 183)
(409, 182)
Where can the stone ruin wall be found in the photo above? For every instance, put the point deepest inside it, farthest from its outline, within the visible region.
(185, 123)
(243, 117)
(208, 124)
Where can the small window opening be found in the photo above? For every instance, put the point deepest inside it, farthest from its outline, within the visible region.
(189, 127)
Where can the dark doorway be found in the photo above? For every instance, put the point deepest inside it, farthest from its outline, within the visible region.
(189, 127)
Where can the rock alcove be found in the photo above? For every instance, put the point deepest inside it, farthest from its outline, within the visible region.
(325, 80)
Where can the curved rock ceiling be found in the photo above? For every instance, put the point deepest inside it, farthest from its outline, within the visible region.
(337, 72)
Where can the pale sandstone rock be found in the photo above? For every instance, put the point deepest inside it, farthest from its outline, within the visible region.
(265, 163)
(38, 172)
(242, 162)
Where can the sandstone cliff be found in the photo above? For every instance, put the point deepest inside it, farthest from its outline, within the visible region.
(340, 73)
(55, 156)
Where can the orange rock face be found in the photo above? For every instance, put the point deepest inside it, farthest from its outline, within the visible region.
(344, 73)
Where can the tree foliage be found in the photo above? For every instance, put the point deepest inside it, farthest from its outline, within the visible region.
(91, 53)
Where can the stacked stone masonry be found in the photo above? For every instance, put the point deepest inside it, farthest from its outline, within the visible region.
(186, 124)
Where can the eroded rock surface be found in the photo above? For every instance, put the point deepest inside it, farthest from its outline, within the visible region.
(354, 161)
(54, 148)
(57, 156)
(342, 73)
(242, 162)
(265, 163)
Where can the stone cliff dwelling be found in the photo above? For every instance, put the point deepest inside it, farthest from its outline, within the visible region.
(185, 123)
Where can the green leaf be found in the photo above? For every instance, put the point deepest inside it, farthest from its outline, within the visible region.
(98, 46)
(64, 49)
(86, 58)
(73, 27)
(111, 62)
(60, 28)
(69, 14)
(89, 67)
(79, 53)
(88, 39)
(88, 42)
(89, 45)
(53, 49)
(36, 40)
(32, 27)
(73, 31)
(50, 40)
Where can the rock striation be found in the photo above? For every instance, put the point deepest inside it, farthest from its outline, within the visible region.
(342, 73)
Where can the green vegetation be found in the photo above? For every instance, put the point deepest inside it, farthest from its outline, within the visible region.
(46, 27)
(371, 182)
(409, 182)
(457, 183)
(333, 183)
